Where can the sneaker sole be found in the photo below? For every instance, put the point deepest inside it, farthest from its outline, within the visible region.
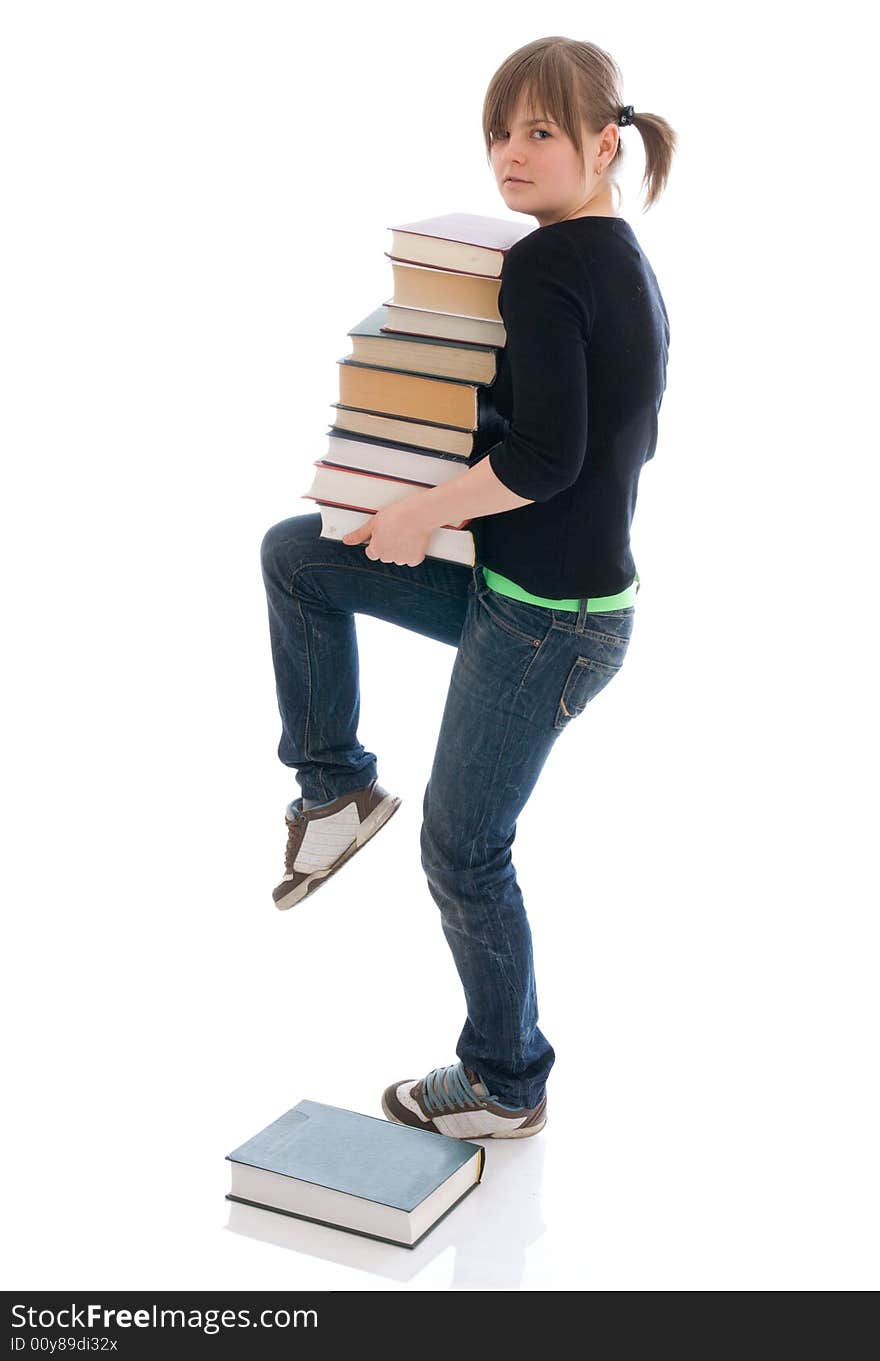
(514, 1133)
(368, 828)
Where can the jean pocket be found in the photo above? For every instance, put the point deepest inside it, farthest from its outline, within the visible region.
(531, 623)
(584, 681)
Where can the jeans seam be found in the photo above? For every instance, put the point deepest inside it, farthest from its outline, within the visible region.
(384, 576)
(501, 747)
(603, 668)
(305, 633)
(595, 633)
(509, 982)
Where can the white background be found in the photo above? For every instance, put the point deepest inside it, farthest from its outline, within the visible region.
(197, 203)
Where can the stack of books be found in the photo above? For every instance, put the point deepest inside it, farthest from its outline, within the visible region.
(415, 403)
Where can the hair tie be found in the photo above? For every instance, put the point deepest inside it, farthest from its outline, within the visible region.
(626, 116)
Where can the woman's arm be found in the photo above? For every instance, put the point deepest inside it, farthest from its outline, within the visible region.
(545, 318)
(400, 532)
(547, 309)
(476, 492)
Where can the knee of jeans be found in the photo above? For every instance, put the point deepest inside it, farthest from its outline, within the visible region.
(280, 542)
(269, 549)
(446, 838)
(429, 841)
(434, 856)
(426, 846)
(446, 852)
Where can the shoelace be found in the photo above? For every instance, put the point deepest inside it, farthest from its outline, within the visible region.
(449, 1086)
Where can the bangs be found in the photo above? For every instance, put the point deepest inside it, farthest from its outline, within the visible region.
(546, 83)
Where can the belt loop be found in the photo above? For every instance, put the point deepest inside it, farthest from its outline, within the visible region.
(580, 626)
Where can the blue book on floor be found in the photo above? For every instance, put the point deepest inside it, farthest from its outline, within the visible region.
(355, 1172)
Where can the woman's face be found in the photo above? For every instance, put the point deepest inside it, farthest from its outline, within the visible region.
(538, 170)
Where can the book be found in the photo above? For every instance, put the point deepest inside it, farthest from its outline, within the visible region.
(434, 356)
(464, 242)
(394, 460)
(361, 489)
(350, 423)
(455, 545)
(393, 392)
(355, 1172)
(443, 438)
(420, 321)
(441, 290)
(430, 435)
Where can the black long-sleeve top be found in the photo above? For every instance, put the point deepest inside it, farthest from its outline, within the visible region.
(579, 384)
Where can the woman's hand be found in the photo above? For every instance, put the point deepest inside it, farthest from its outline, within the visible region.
(397, 533)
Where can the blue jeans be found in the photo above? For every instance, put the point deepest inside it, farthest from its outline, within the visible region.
(521, 675)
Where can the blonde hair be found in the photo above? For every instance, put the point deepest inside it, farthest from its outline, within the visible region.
(576, 83)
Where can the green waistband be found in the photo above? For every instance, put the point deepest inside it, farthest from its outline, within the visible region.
(595, 603)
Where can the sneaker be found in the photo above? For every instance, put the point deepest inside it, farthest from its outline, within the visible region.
(453, 1101)
(321, 839)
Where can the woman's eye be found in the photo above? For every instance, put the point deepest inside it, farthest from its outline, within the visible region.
(497, 136)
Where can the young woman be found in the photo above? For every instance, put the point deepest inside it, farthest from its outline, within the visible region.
(542, 623)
